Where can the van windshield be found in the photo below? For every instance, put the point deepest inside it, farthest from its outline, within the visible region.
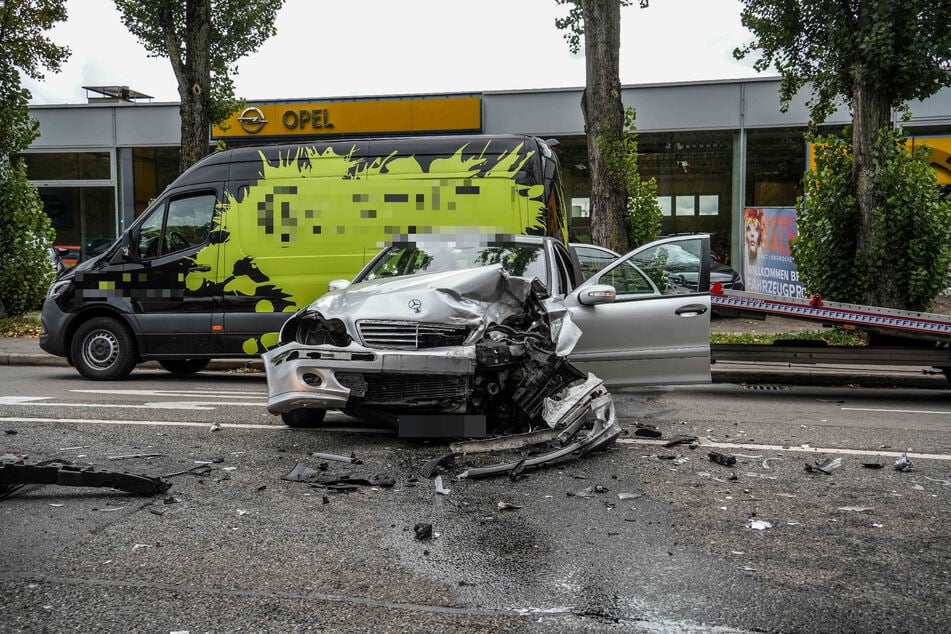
(416, 258)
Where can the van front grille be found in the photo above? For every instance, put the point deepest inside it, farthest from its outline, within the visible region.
(410, 335)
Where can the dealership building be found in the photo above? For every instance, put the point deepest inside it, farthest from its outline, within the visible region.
(715, 148)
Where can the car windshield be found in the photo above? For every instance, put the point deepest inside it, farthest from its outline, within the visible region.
(415, 258)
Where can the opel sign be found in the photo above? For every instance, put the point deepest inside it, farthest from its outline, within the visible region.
(252, 120)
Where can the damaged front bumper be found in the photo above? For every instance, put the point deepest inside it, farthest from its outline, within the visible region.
(329, 377)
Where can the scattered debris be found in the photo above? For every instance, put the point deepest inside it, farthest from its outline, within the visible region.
(14, 475)
(507, 506)
(758, 525)
(856, 509)
(440, 489)
(629, 496)
(341, 482)
(727, 460)
(10, 432)
(680, 440)
(873, 463)
(946, 483)
(437, 464)
(137, 455)
(826, 466)
(423, 531)
(242, 512)
(644, 430)
(904, 464)
(351, 459)
(214, 427)
(766, 462)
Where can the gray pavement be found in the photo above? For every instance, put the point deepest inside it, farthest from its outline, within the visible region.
(27, 351)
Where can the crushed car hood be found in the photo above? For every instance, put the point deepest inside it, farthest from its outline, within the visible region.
(475, 298)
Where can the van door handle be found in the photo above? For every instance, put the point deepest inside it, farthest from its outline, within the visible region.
(691, 310)
(199, 269)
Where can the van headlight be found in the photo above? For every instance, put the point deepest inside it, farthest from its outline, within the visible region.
(58, 288)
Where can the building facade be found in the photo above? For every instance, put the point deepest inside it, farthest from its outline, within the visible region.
(715, 148)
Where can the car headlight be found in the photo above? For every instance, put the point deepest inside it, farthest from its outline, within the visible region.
(58, 288)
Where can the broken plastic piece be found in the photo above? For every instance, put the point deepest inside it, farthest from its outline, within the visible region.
(725, 459)
(440, 489)
(343, 482)
(646, 431)
(826, 466)
(508, 506)
(680, 440)
(351, 459)
(423, 531)
(904, 464)
(15, 474)
(873, 463)
(759, 525)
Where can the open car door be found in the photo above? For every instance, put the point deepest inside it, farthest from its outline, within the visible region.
(657, 330)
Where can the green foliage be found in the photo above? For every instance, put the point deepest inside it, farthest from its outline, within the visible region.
(620, 159)
(237, 29)
(833, 337)
(25, 239)
(573, 23)
(24, 48)
(899, 50)
(911, 230)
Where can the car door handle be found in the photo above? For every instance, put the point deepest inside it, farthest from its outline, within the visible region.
(691, 310)
(200, 269)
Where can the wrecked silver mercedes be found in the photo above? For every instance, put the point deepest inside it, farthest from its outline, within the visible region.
(480, 329)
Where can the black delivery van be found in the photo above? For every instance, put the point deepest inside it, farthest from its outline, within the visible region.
(247, 236)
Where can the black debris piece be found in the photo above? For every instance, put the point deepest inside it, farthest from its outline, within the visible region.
(873, 463)
(437, 465)
(725, 459)
(423, 531)
(13, 475)
(10, 432)
(680, 440)
(904, 464)
(346, 481)
(646, 431)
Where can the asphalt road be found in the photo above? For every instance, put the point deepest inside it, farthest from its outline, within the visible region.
(639, 538)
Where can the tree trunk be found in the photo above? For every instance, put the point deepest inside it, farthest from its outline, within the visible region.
(871, 113)
(195, 90)
(604, 116)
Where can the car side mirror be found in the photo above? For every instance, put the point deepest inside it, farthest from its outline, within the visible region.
(336, 285)
(597, 294)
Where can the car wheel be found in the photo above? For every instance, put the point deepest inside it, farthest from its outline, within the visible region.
(304, 418)
(103, 349)
(184, 366)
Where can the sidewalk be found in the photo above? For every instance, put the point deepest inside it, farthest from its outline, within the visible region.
(26, 351)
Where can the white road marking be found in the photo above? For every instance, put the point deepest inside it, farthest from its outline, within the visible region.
(204, 425)
(21, 400)
(188, 406)
(896, 411)
(817, 450)
(237, 394)
(160, 423)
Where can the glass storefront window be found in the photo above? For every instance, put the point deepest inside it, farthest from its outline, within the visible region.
(694, 173)
(153, 169)
(84, 218)
(71, 166)
(775, 163)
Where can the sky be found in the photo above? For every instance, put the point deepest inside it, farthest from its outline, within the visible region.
(343, 48)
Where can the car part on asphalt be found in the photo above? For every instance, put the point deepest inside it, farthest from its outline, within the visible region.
(303, 473)
(726, 460)
(14, 475)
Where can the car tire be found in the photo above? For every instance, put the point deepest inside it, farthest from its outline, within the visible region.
(184, 366)
(103, 349)
(306, 418)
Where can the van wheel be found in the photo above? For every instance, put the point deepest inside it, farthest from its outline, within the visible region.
(184, 366)
(103, 349)
(306, 418)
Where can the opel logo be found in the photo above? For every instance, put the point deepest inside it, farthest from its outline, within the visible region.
(415, 305)
(252, 120)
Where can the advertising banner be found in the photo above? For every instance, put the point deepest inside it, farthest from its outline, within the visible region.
(768, 266)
